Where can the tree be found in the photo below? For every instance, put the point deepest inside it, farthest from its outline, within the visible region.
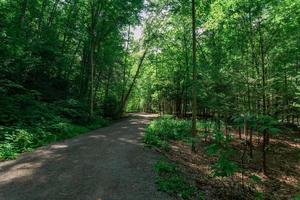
(194, 103)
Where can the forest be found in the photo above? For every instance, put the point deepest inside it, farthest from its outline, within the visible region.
(223, 78)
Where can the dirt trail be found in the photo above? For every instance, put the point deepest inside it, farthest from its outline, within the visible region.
(107, 164)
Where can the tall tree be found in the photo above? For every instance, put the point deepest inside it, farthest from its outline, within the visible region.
(194, 85)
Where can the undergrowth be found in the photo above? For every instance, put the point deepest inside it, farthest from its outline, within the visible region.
(171, 180)
(165, 129)
(161, 131)
(26, 122)
(17, 139)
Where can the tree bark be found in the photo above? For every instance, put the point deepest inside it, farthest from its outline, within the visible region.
(194, 89)
(265, 133)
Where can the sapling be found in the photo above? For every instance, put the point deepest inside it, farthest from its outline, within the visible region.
(266, 125)
(224, 166)
(220, 146)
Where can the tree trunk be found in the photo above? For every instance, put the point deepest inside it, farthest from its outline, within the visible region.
(123, 104)
(251, 143)
(265, 133)
(194, 89)
(24, 5)
(92, 81)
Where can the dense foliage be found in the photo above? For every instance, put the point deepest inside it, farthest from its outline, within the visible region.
(247, 60)
(218, 67)
(222, 165)
(63, 68)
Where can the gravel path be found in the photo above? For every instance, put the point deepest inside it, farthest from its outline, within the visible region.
(107, 164)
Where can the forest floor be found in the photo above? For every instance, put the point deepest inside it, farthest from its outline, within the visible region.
(106, 164)
(282, 181)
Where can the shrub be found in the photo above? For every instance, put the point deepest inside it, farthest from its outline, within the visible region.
(164, 129)
(74, 110)
(7, 150)
(171, 180)
(267, 123)
(22, 139)
(111, 107)
(151, 139)
(65, 130)
(169, 128)
(28, 123)
(97, 123)
(162, 166)
(15, 140)
(220, 147)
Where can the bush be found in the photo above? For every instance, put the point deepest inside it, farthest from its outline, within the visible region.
(111, 107)
(65, 130)
(27, 123)
(220, 147)
(73, 110)
(97, 123)
(15, 140)
(153, 140)
(171, 180)
(170, 128)
(7, 151)
(162, 130)
(165, 167)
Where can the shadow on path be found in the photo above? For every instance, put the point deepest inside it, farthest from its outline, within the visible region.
(107, 164)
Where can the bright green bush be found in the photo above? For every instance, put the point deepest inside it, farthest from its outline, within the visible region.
(164, 129)
(170, 128)
(14, 141)
(7, 150)
(23, 140)
(297, 197)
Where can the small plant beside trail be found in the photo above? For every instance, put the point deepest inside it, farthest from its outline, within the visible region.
(224, 166)
(171, 180)
(161, 131)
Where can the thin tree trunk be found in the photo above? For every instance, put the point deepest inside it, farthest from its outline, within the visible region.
(53, 12)
(194, 89)
(124, 67)
(92, 81)
(24, 5)
(265, 133)
(123, 104)
(251, 143)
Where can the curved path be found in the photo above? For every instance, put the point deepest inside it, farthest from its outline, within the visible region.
(107, 164)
